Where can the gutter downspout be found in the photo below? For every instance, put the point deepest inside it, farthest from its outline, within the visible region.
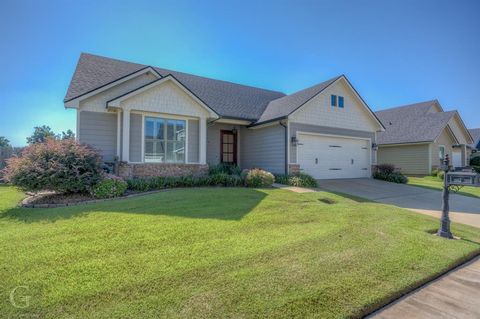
(286, 147)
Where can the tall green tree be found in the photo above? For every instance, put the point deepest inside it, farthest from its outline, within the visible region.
(68, 135)
(4, 142)
(41, 134)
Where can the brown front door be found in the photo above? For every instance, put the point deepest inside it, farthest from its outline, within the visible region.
(228, 147)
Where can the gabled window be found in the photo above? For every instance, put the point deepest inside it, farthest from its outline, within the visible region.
(340, 101)
(333, 99)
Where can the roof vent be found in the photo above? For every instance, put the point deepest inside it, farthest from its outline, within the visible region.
(390, 123)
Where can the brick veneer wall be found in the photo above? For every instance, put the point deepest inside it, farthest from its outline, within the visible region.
(161, 169)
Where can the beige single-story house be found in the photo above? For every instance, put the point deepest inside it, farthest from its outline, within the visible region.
(475, 146)
(161, 122)
(418, 136)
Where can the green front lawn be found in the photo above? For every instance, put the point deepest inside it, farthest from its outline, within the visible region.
(433, 182)
(217, 252)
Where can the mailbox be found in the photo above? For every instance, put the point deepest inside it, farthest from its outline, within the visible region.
(463, 179)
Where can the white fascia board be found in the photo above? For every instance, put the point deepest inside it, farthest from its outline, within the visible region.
(233, 121)
(75, 103)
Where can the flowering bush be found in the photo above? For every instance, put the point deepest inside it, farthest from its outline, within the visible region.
(111, 186)
(257, 178)
(298, 180)
(64, 166)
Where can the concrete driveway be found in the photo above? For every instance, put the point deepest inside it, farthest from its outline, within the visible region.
(463, 209)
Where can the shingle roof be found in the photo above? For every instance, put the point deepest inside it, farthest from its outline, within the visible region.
(412, 123)
(225, 98)
(289, 103)
(475, 132)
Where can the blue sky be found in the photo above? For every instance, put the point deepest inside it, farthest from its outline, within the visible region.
(394, 52)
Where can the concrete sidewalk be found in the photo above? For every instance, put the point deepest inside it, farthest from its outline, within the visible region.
(454, 295)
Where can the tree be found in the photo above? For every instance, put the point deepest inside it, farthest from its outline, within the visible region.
(4, 142)
(41, 134)
(68, 135)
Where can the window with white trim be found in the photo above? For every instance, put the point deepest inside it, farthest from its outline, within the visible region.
(164, 140)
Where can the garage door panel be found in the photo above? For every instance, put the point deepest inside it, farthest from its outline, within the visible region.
(333, 157)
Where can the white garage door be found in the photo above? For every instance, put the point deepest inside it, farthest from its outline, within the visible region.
(457, 158)
(328, 157)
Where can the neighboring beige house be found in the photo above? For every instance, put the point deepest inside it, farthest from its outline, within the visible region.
(417, 137)
(474, 148)
(168, 123)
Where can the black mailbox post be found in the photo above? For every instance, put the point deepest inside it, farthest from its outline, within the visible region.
(458, 179)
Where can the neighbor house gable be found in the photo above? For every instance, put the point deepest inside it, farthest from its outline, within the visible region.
(355, 115)
(458, 128)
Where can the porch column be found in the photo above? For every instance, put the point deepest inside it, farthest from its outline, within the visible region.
(119, 136)
(203, 141)
(126, 136)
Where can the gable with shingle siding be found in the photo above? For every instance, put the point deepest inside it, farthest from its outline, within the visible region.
(319, 111)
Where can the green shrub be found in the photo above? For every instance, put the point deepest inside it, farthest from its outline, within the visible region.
(218, 179)
(394, 177)
(139, 184)
(223, 168)
(298, 180)
(385, 168)
(257, 178)
(475, 161)
(111, 186)
(476, 168)
(434, 172)
(223, 179)
(64, 166)
(440, 175)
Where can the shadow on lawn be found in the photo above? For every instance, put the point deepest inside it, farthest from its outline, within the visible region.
(212, 203)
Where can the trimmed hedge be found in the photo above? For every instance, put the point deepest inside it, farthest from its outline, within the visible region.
(393, 177)
(228, 169)
(153, 183)
(298, 180)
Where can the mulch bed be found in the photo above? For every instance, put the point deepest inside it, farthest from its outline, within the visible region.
(52, 199)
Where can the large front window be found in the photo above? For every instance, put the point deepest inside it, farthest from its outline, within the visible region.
(164, 140)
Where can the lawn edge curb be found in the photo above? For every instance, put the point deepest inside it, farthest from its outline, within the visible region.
(25, 202)
(389, 301)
